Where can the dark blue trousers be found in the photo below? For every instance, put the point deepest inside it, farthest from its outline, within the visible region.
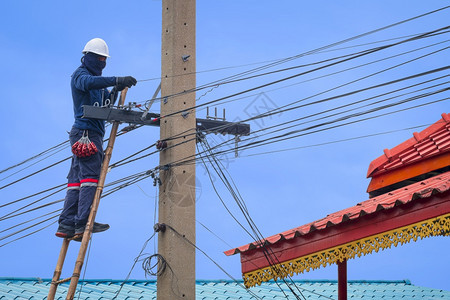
(82, 181)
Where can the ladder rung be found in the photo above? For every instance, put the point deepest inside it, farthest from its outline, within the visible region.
(75, 237)
(63, 280)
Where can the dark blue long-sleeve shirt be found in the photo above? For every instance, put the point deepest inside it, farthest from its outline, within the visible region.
(89, 90)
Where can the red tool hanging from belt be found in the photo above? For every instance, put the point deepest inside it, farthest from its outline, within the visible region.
(84, 147)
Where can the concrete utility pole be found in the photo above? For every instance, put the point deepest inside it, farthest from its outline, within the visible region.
(177, 192)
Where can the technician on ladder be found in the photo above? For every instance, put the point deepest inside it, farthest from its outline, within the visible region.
(86, 137)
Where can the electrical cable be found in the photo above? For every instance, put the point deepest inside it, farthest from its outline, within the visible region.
(413, 98)
(31, 233)
(86, 265)
(241, 204)
(350, 56)
(17, 232)
(26, 228)
(370, 51)
(55, 216)
(326, 75)
(126, 184)
(148, 267)
(337, 73)
(440, 100)
(48, 167)
(284, 107)
(365, 64)
(303, 129)
(25, 177)
(409, 77)
(342, 95)
(343, 41)
(278, 125)
(33, 157)
(10, 214)
(155, 213)
(120, 162)
(318, 50)
(302, 133)
(268, 254)
(270, 140)
(299, 74)
(290, 135)
(212, 260)
(279, 59)
(32, 209)
(28, 221)
(382, 41)
(28, 205)
(356, 102)
(116, 164)
(218, 237)
(335, 141)
(61, 200)
(220, 198)
(352, 38)
(132, 267)
(34, 173)
(29, 166)
(272, 112)
(204, 226)
(136, 177)
(35, 194)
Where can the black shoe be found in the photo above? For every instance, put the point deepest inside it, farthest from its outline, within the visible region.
(98, 227)
(65, 231)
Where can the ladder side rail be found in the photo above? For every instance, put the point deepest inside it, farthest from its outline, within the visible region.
(58, 269)
(94, 207)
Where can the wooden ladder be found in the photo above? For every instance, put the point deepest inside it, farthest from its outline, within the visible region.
(89, 225)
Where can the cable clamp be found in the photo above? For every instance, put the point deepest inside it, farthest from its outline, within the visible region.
(185, 114)
(157, 180)
(165, 167)
(236, 141)
(159, 227)
(161, 145)
(200, 136)
(129, 128)
(131, 105)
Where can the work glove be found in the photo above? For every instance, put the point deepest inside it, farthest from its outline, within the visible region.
(123, 82)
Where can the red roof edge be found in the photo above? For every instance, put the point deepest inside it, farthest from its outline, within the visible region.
(439, 184)
(417, 137)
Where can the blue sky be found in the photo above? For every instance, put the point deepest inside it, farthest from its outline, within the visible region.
(41, 47)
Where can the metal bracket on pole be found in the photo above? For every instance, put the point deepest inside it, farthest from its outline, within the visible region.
(185, 114)
(215, 117)
(135, 117)
(155, 94)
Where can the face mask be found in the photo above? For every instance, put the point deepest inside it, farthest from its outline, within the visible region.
(91, 62)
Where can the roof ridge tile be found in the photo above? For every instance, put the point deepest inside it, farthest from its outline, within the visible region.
(438, 130)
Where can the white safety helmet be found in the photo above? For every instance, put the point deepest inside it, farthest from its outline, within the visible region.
(97, 46)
